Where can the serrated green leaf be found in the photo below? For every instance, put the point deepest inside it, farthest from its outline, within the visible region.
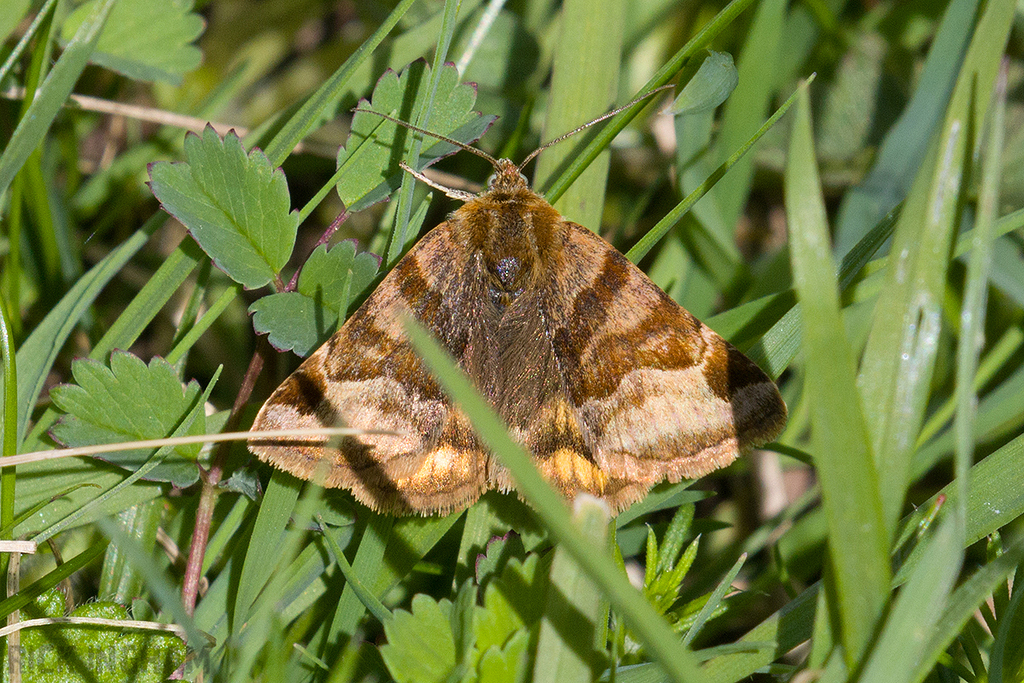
(511, 602)
(497, 555)
(129, 401)
(147, 41)
(505, 664)
(70, 653)
(374, 146)
(302, 320)
(234, 204)
(710, 86)
(420, 648)
(672, 541)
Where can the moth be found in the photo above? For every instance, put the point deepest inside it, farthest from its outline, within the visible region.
(610, 384)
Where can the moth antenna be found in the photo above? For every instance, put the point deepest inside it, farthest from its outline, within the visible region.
(532, 155)
(443, 138)
(461, 195)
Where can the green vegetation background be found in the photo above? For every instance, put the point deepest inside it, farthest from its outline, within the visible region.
(866, 251)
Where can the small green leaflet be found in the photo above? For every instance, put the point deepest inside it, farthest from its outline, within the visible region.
(710, 86)
(145, 40)
(375, 145)
(130, 401)
(234, 204)
(304, 319)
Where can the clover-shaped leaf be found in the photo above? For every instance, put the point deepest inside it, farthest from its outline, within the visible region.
(144, 40)
(234, 204)
(131, 401)
(302, 320)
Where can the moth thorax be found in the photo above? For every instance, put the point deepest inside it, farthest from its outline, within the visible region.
(508, 275)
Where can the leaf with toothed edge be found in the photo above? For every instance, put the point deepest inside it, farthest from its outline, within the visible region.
(370, 156)
(304, 319)
(235, 205)
(130, 401)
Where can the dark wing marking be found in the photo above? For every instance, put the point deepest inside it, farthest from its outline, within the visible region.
(368, 376)
(649, 392)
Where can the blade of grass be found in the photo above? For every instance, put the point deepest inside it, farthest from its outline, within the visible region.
(573, 611)
(918, 607)
(746, 106)
(658, 639)
(858, 547)
(52, 94)
(647, 242)
(312, 110)
(405, 200)
(584, 83)
(42, 15)
(262, 553)
(604, 138)
(135, 317)
(714, 601)
(963, 604)
(903, 149)
(37, 354)
(9, 426)
(369, 556)
(900, 355)
(369, 600)
(409, 539)
(972, 314)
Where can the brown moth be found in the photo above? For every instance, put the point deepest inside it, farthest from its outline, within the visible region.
(610, 384)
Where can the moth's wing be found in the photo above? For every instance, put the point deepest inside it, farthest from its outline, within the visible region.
(648, 391)
(367, 376)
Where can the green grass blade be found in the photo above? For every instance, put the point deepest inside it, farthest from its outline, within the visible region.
(963, 604)
(850, 497)
(904, 147)
(584, 84)
(388, 558)
(42, 15)
(918, 607)
(747, 105)
(604, 138)
(369, 600)
(135, 317)
(714, 601)
(51, 95)
(9, 428)
(651, 238)
(900, 355)
(972, 314)
(369, 555)
(37, 354)
(405, 199)
(263, 552)
(573, 612)
(658, 639)
(312, 111)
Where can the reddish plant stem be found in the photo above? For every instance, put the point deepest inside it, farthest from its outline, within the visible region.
(211, 480)
(331, 229)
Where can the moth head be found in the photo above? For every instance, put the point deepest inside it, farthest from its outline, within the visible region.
(507, 177)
